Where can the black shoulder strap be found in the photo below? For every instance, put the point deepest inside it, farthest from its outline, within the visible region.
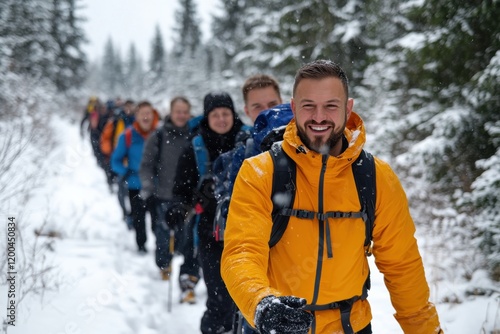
(364, 175)
(283, 192)
(159, 145)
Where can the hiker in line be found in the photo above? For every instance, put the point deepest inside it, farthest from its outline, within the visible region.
(95, 114)
(123, 118)
(125, 161)
(159, 163)
(193, 186)
(260, 92)
(315, 278)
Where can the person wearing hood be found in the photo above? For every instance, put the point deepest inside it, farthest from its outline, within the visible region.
(125, 162)
(315, 278)
(193, 186)
(159, 163)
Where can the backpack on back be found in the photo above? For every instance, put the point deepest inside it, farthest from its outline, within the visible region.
(269, 127)
(283, 195)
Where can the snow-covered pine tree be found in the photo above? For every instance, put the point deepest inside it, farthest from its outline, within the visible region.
(156, 79)
(134, 74)
(69, 68)
(188, 64)
(437, 117)
(108, 84)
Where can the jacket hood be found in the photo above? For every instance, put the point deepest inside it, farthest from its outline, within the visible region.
(354, 133)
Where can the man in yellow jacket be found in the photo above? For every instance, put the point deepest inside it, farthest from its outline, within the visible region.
(296, 286)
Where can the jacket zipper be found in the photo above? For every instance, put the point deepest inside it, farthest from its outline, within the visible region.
(321, 236)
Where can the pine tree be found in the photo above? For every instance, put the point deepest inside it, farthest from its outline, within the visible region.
(134, 74)
(438, 119)
(157, 74)
(70, 61)
(108, 67)
(28, 46)
(187, 29)
(157, 58)
(190, 58)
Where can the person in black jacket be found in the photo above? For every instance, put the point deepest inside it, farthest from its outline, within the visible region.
(158, 166)
(193, 187)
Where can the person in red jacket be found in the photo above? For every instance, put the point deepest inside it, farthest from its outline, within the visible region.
(313, 279)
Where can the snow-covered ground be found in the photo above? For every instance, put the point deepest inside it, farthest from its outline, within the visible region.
(104, 286)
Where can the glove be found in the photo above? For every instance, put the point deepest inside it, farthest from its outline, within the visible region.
(282, 315)
(145, 194)
(175, 215)
(204, 193)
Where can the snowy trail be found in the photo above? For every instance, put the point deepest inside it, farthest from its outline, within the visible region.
(104, 286)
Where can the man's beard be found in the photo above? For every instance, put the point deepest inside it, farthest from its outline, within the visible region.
(317, 144)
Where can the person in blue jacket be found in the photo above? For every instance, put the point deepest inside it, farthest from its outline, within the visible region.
(126, 160)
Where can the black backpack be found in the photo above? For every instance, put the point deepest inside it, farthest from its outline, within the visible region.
(284, 183)
(284, 176)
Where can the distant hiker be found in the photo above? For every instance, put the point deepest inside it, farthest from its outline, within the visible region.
(88, 111)
(193, 186)
(125, 162)
(159, 164)
(260, 92)
(123, 117)
(315, 277)
(93, 114)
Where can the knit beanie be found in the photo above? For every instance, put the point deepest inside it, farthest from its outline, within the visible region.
(217, 100)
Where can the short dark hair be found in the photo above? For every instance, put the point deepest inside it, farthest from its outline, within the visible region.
(143, 104)
(321, 69)
(259, 81)
(177, 99)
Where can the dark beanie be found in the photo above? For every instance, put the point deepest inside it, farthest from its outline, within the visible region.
(217, 100)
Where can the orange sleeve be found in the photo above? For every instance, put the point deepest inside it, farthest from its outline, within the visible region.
(106, 141)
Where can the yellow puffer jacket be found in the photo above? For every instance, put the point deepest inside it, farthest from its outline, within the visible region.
(294, 266)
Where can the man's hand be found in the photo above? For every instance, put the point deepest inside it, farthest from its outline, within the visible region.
(282, 315)
(145, 195)
(175, 215)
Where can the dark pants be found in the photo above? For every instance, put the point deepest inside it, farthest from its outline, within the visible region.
(122, 195)
(218, 316)
(139, 208)
(183, 240)
(191, 265)
(95, 136)
(110, 175)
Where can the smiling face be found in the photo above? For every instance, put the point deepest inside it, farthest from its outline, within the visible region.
(321, 109)
(144, 116)
(220, 120)
(260, 99)
(180, 113)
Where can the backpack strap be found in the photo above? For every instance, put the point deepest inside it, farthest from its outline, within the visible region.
(363, 170)
(283, 195)
(201, 156)
(283, 191)
(159, 146)
(128, 137)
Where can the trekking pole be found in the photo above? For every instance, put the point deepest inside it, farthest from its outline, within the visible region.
(171, 251)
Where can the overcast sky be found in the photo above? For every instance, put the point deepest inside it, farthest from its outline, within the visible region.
(129, 21)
